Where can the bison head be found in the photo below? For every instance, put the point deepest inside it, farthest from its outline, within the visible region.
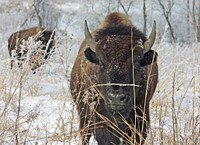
(116, 56)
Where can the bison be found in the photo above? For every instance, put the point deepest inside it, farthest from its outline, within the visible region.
(113, 80)
(38, 34)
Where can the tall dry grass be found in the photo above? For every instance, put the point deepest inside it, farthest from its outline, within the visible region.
(175, 106)
(38, 109)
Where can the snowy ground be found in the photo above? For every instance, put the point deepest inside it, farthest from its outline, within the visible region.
(176, 102)
(45, 106)
(47, 113)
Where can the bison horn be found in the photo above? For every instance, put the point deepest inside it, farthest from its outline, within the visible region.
(88, 37)
(151, 39)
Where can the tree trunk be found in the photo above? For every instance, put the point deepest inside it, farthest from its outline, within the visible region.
(198, 25)
(188, 20)
(167, 14)
(37, 4)
(145, 17)
(198, 33)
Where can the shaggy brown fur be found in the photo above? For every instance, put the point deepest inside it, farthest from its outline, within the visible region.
(109, 119)
(116, 18)
(16, 39)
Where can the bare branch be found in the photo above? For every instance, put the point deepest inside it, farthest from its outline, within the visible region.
(36, 5)
(130, 4)
(123, 7)
(199, 14)
(166, 14)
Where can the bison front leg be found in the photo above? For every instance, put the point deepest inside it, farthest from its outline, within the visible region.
(142, 121)
(85, 131)
(86, 125)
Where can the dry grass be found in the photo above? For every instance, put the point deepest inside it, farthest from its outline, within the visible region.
(38, 109)
(175, 106)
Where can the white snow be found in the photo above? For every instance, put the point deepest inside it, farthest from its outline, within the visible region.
(47, 113)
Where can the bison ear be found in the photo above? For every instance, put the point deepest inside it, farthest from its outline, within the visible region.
(148, 58)
(91, 56)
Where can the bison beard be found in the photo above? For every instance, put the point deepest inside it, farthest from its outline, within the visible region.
(111, 61)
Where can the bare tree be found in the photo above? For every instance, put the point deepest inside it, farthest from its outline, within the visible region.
(167, 14)
(123, 7)
(188, 19)
(198, 25)
(198, 33)
(35, 13)
(37, 4)
(196, 17)
(45, 14)
(109, 3)
(145, 17)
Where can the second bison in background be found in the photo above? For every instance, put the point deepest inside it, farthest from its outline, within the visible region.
(35, 45)
(113, 80)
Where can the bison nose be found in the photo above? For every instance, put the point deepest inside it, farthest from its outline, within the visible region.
(116, 88)
(117, 98)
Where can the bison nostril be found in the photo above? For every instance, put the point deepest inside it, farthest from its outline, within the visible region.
(117, 98)
(123, 98)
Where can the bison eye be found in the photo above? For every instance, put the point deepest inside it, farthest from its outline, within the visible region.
(91, 56)
(148, 58)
